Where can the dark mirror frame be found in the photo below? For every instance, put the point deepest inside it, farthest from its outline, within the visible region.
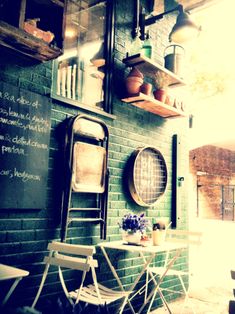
(108, 53)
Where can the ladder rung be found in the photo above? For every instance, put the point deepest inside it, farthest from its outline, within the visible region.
(84, 209)
(85, 219)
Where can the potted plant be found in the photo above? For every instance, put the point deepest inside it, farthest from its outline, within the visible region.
(161, 81)
(133, 226)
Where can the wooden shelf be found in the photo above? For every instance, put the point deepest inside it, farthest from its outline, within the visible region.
(152, 105)
(149, 69)
(25, 43)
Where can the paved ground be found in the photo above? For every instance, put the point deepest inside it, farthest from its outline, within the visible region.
(204, 301)
(211, 285)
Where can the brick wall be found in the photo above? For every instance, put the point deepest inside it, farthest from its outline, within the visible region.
(211, 167)
(24, 235)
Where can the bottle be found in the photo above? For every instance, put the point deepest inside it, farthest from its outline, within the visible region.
(147, 47)
(136, 45)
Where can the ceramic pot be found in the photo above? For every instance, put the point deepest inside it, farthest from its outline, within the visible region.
(135, 72)
(132, 237)
(146, 89)
(160, 94)
(133, 84)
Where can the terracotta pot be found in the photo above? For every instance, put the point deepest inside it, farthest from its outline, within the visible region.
(169, 100)
(183, 105)
(177, 103)
(39, 33)
(133, 84)
(146, 88)
(160, 94)
(135, 72)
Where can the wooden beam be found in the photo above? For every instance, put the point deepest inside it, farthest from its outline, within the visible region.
(17, 39)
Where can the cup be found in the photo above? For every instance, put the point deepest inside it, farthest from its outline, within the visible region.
(158, 236)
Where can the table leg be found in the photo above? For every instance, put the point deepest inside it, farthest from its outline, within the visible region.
(118, 280)
(138, 277)
(15, 283)
(157, 288)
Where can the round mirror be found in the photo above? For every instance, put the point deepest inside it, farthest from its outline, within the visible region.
(147, 178)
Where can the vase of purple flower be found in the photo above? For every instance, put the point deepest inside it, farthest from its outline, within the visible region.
(133, 227)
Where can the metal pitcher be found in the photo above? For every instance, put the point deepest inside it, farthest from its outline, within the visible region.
(174, 59)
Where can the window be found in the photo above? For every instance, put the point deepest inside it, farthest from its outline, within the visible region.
(81, 76)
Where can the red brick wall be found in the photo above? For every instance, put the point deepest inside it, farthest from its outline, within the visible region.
(211, 168)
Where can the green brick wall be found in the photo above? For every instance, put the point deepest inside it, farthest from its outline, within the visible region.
(24, 235)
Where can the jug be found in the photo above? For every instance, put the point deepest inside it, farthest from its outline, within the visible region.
(174, 59)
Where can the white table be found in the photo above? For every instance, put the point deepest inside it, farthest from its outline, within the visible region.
(8, 273)
(153, 251)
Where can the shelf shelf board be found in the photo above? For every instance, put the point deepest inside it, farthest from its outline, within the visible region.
(149, 68)
(21, 41)
(152, 105)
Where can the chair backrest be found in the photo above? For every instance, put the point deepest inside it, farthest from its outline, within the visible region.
(184, 236)
(80, 256)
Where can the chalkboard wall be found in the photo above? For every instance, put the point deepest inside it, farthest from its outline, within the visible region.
(24, 148)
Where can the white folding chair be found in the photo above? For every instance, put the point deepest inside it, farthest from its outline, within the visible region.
(80, 258)
(231, 309)
(181, 236)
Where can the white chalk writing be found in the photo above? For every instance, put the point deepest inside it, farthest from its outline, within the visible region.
(22, 175)
(12, 150)
(20, 100)
(25, 176)
(21, 140)
(41, 128)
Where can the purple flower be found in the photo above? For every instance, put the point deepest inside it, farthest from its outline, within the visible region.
(134, 223)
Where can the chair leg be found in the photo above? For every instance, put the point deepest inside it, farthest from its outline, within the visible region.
(231, 307)
(165, 304)
(41, 285)
(15, 283)
(152, 299)
(186, 295)
(64, 286)
(146, 286)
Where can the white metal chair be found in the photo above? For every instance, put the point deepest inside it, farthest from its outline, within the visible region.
(80, 258)
(180, 236)
(231, 309)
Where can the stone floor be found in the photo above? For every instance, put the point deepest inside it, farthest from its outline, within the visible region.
(211, 288)
(204, 301)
